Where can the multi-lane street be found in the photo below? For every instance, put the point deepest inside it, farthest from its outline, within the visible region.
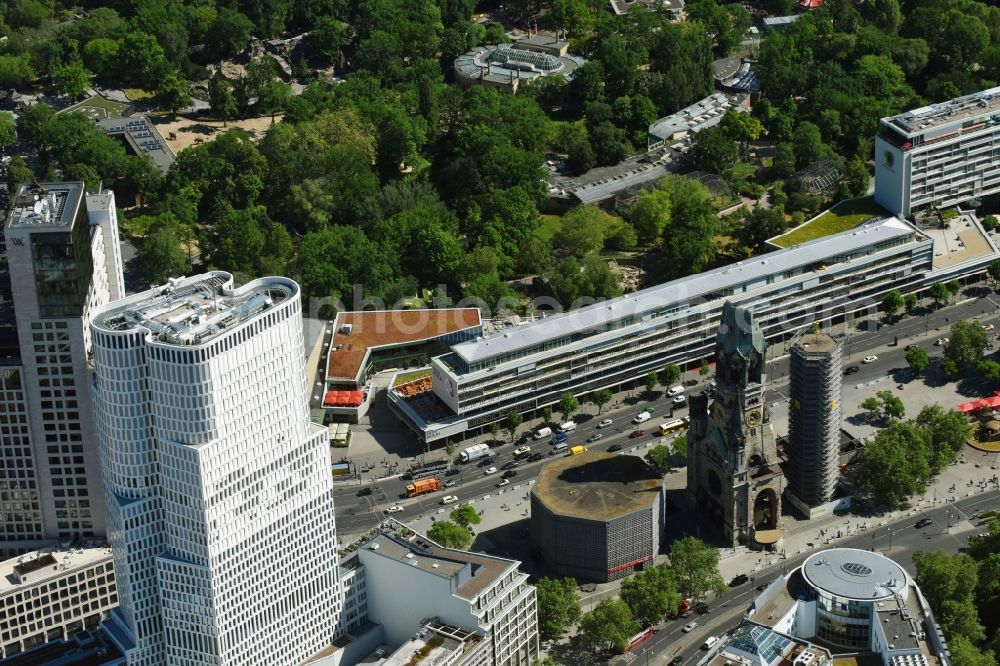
(906, 539)
(355, 513)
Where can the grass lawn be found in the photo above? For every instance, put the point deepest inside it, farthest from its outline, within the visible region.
(137, 94)
(404, 377)
(97, 107)
(550, 226)
(845, 215)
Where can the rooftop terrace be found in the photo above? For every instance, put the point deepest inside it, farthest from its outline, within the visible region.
(46, 204)
(476, 571)
(597, 486)
(945, 113)
(358, 333)
(193, 311)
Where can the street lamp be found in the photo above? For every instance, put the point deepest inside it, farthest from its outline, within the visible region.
(889, 529)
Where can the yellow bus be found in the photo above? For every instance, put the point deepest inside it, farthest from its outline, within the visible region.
(672, 426)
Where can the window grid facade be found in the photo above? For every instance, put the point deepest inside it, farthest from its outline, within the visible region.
(678, 329)
(62, 267)
(48, 605)
(218, 486)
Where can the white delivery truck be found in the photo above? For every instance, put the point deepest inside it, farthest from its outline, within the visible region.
(566, 427)
(474, 453)
(641, 418)
(543, 433)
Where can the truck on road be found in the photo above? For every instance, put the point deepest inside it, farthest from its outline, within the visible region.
(422, 486)
(474, 453)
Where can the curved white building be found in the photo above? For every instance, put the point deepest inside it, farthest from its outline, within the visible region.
(853, 601)
(220, 512)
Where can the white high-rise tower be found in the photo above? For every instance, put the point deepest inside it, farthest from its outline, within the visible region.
(62, 263)
(220, 509)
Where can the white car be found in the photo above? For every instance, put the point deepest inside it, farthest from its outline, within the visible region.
(394, 509)
(675, 390)
(449, 499)
(941, 342)
(989, 327)
(689, 627)
(679, 399)
(604, 424)
(522, 451)
(490, 470)
(869, 359)
(502, 482)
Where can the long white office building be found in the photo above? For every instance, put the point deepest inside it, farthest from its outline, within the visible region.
(63, 261)
(939, 155)
(613, 342)
(220, 506)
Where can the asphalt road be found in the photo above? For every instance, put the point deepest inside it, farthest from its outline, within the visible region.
(898, 540)
(356, 514)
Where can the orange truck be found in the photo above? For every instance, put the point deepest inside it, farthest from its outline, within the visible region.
(422, 486)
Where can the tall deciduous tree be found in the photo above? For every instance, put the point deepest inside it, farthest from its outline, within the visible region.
(967, 342)
(696, 567)
(8, 131)
(220, 98)
(558, 606)
(72, 79)
(450, 535)
(610, 624)
(465, 515)
(918, 359)
(568, 404)
(172, 93)
(892, 303)
(601, 398)
(511, 422)
(651, 595)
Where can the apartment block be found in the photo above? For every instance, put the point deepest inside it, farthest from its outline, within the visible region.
(477, 599)
(63, 263)
(939, 155)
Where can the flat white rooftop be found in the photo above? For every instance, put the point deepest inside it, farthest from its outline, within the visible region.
(192, 311)
(944, 113)
(648, 300)
(38, 566)
(46, 205)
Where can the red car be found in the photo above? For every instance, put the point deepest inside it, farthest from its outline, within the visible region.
(636, 433)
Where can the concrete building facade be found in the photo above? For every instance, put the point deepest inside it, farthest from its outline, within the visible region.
(220, 504)
(939, 155)
(813, 448)
(733, 469)
(63, 263)
(597, 516)
(413, 581)
(610, 343)
(54, 594)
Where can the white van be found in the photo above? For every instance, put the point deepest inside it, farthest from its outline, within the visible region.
(566, 427)
(709, 642)
(561, 446)
(641, 418)
(675, 390)
(543, 433)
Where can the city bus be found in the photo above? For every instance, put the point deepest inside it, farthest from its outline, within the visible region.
(675, 425)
